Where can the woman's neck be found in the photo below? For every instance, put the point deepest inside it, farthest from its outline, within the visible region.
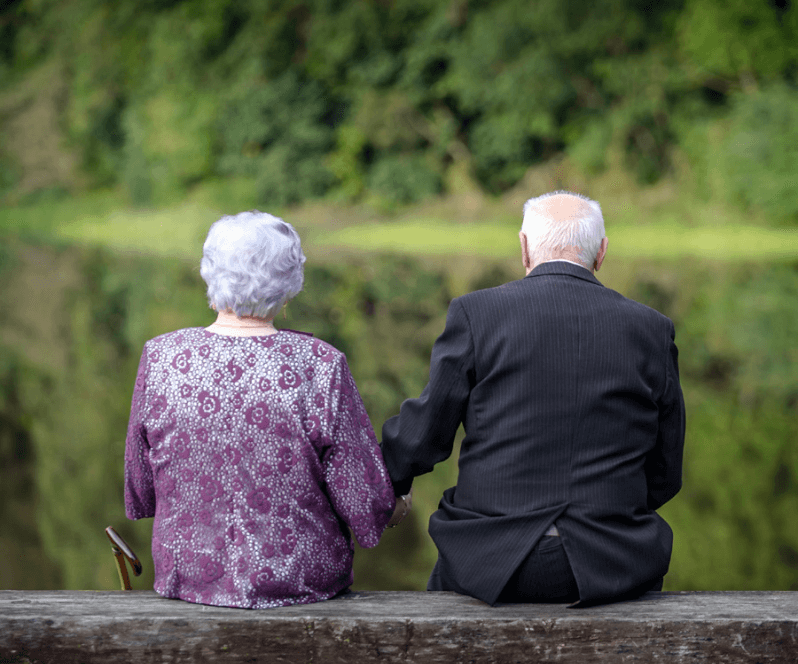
(228, 324)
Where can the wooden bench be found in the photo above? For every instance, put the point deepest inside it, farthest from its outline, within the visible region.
(66, 627)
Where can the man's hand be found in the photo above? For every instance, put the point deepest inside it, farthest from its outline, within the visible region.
(402, 509)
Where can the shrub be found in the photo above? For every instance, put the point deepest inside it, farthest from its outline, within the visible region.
(403, 178)
(279, 132)
(760, 154)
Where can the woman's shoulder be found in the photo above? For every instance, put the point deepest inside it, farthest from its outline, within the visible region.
(184, 336)
(286, 340)
(311, 344)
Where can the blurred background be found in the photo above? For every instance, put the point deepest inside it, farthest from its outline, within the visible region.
(401, 138)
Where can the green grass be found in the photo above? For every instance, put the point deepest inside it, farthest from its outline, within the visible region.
(666, 241)
(178, 230)
(104, 218)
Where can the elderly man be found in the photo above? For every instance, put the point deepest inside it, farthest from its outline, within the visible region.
(570, 399)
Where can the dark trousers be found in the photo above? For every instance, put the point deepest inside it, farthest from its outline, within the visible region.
(544, 576)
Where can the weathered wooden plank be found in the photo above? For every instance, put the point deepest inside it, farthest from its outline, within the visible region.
(73, 627)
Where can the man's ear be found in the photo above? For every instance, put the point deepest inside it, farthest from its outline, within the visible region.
(601, 253)
(525, 257)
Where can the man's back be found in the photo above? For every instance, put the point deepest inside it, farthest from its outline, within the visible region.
(567, 378)
(569, 396)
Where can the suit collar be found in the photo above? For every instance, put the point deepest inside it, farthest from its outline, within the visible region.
(563, 267)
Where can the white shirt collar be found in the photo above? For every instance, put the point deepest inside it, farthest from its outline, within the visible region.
(564, 260)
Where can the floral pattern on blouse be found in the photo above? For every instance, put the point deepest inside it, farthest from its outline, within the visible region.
(255, 457)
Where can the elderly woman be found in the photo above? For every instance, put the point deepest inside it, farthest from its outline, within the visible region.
(249, 445)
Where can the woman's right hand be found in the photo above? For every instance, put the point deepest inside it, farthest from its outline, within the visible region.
(402, 509)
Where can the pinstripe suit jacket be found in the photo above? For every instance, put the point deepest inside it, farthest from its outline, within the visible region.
(570, 399)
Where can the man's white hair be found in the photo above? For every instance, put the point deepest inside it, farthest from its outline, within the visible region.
(253, 264)
(561, 222)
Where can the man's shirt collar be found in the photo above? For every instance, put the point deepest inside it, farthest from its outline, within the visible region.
(565, 260)
(561, 266)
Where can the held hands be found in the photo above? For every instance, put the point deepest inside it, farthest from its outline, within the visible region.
(403, 506)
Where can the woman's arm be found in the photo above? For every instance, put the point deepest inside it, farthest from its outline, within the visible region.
(355, 474)
(139, 487)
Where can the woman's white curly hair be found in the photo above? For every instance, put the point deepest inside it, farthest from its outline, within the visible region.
(253, 264)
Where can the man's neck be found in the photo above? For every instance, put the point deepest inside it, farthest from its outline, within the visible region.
(559, 260)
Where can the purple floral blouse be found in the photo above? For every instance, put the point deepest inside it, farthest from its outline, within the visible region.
(254, 455)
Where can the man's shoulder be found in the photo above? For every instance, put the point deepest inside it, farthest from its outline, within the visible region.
(487, 298)
(642, 310)
(494, 292)
(520, 289)
(633, 315)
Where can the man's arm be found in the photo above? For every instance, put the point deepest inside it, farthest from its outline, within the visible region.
(423, 432)
(664, 462)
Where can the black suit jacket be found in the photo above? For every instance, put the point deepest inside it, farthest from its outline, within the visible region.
(570, 399)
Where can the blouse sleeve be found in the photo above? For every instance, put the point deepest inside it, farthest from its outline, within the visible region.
(357, 481)
(139, 487)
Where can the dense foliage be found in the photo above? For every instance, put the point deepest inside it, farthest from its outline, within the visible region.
(396, 100)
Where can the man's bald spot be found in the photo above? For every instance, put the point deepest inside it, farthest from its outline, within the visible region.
(561, 207)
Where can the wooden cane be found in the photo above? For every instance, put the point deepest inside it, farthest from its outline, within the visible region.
(121, 551)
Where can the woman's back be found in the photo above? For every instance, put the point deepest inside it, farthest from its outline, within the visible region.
(253, 454)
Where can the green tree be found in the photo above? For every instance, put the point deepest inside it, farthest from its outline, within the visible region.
(760, 153)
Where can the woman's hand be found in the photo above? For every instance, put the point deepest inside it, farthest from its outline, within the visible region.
(402, 509)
